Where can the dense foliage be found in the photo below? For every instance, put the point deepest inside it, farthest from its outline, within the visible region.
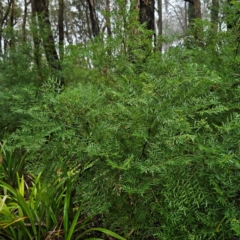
(141, 143)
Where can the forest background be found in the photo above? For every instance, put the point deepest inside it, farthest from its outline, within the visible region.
(119, 119)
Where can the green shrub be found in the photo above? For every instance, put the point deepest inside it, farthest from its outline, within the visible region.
(17, 76)
(150, 140)
(157, 149)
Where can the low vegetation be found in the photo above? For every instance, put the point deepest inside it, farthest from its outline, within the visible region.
(137, 145)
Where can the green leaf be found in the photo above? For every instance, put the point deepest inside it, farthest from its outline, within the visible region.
(74, 223)
(103, 230)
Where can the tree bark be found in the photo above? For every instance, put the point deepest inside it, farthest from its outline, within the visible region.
(146, 13)
(36, 39)
(185, 16)
(108, 22)
(93, 18)
(12, 14)
(191, 15)
(25, 19)
(159, 23)
(194, 10)
(88, 21)
(3, 20)
(197, 9)
(61, 28)
(214, 14)
(48, 39)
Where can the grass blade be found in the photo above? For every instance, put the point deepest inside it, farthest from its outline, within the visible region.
(103, 230)
(108, 232)
(74, 223)
(66, 210)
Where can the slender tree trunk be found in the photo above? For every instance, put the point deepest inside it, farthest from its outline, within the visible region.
(194, 10)
(93, 18)
(11, 43)
(12, 13)
(231, 21)
(25, 19)
(191, 15)
(159, 23)
(36, 40)
(145, 10)
(185, 16)
(69, 29)
(108, 22)
(48, 39)
(61, 28)
(88, 22)
(214, 14)
(122, 8)
(198, 15)
(197, 9)
(1, 16)
(3, 20)
(146, 13)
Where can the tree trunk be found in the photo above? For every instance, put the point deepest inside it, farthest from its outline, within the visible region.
(36, 40)
(146, 13)
(88, 22)
(185, 16)
(159, 23)
(48, 39)
(108, 22)
(214, 14)
(12, 13)
(3, 20)
(191, 15)
(61, 28)
(194, 10)
(25, 20)
(11, 43)
(197, 9)
(93, 18)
